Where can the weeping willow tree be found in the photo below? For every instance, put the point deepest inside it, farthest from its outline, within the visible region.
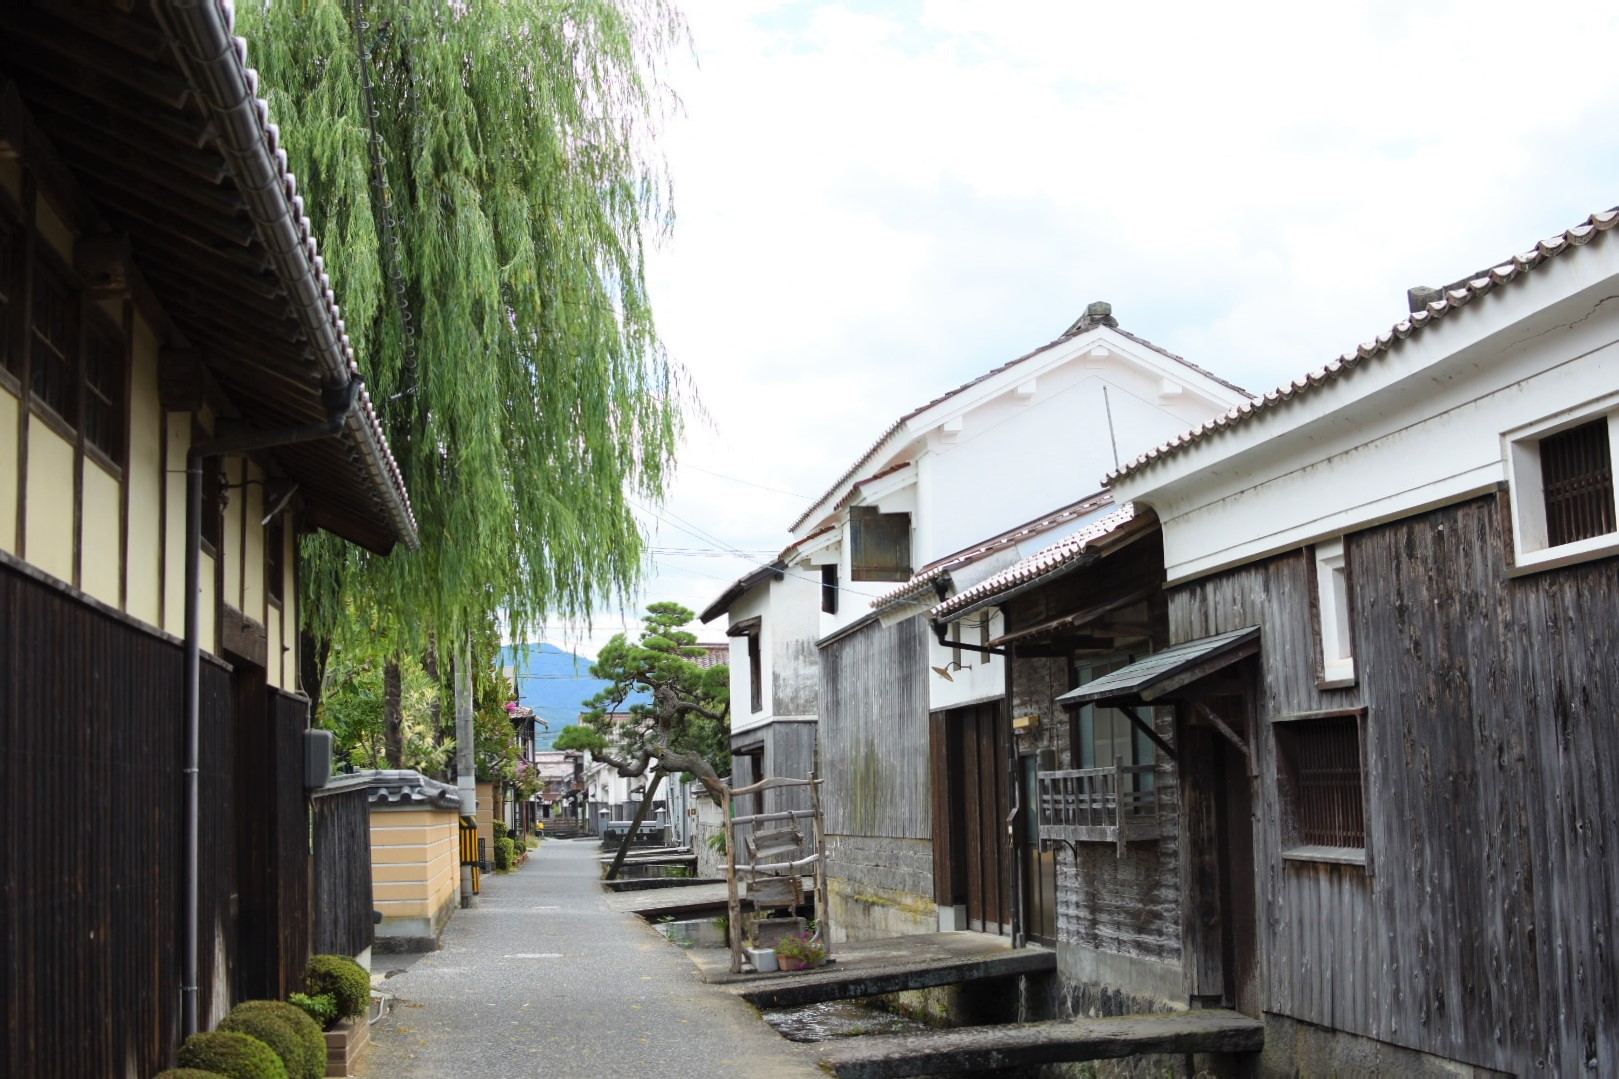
(488, 251)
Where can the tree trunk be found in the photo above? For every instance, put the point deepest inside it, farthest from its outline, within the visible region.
(435, 706)
(393, 714)
(635, 826)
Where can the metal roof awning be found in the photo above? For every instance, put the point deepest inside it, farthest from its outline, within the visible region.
(1157, 676)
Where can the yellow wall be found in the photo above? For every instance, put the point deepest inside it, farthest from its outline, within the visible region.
(9, 406)
(414, 864)
(100, 541)
(50, 501)
(144, 475)
(174, 529)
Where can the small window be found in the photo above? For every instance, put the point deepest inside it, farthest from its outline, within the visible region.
(54, 372)
(275, 560)
(1562, 490)
(1322, 783)
(829, 588)
(1098, 735)
(104, 393)
(756, 695)
(879, 545)
(1576, 472)
(1332, 613)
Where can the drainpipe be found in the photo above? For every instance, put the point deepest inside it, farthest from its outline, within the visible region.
(339, 402)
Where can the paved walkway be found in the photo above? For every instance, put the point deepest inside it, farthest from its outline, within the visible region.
(543, 978)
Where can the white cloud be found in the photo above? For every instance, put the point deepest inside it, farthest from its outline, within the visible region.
(878, 202)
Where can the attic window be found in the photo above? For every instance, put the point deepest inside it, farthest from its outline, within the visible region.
(1562, 489)
(879, 545)
(829, 588)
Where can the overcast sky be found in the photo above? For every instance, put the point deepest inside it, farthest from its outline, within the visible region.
(879, 201)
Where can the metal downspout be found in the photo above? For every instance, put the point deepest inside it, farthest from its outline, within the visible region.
(340, 403)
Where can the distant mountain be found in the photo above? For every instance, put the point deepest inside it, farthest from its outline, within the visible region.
(555, 683)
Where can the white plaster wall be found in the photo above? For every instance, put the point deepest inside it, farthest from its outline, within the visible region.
(986, 680)
(1421, 429)
(755, 601)
(49, 521)
(144, 475)
(792, 664)
(100, 542)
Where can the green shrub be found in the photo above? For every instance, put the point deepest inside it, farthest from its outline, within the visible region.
(294, 1036)
(188, 1073)
(505, 851)
(233, 1055)
(500, 830)
(344, 980)
(321, 1007)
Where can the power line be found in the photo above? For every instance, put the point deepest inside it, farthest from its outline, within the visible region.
(746, 483)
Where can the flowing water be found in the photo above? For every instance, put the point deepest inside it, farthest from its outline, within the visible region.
(837, 1019)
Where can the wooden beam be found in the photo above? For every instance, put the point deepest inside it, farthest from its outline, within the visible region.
(1147, 729)
(1077, 618)
(1220, 725)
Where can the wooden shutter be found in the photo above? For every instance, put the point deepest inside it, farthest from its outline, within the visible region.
(880, 545)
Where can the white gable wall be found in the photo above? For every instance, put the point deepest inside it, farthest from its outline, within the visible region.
(1418, 427)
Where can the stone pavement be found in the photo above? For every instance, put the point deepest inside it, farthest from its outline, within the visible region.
(544, 978)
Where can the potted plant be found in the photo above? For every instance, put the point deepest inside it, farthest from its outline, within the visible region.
(800, 951)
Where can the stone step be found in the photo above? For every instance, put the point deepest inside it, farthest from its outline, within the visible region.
(1021, 1045)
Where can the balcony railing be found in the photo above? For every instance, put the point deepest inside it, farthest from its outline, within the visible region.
(1099, 805)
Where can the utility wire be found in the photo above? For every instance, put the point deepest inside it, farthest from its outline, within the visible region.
(745, 483)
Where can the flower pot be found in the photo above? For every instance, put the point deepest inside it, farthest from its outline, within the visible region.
(344, 1043)
(792, 963)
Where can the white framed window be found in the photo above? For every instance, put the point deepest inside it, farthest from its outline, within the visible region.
(1332, 612)
(1560, 477)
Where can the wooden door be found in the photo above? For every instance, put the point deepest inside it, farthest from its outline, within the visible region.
(981, 776)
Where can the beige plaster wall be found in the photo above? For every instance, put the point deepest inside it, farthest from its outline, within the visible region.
(414, 863)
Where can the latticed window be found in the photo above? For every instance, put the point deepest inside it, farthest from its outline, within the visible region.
(1323, 785)
(1576, 471)
(104, 394)
(54, 381)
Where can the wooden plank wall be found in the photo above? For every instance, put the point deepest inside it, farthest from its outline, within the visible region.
(874, 731)
(1483, 930)
(91, 737)
(341, 884)
(289, 718)
(789, 753)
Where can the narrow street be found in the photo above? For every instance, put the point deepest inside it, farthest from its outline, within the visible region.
(541, 978)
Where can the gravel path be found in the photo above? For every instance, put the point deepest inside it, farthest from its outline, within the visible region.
(543, 978)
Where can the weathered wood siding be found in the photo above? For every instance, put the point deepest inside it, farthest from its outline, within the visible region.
(789, 753)
(341, 892)
(1129, 905)
(874, 731)
(91, 743)
(1482, 929)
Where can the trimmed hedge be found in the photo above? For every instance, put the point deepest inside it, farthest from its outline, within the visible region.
(295, 1037)
(505, 853)
(188, 1073)
(232, 1055)
(343, 979)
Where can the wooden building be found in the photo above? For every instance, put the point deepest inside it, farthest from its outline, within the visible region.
(165, 327)
(1094, 866)
(954, 491)
(1392, 589)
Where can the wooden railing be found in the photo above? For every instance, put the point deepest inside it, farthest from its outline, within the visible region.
(1098, 805)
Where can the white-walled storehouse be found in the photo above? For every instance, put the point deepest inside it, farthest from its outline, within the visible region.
(1419, 542)
(952, 491)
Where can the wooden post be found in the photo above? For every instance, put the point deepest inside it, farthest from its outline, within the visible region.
(821, 903)
(1118, 805)
(733, 904)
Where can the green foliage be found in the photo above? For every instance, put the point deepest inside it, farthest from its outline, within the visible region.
(802, 946)
(501, 831)
(187, 1073)
(343, 979)
(505, 852)
(517, 142)
(351, 704)
(294, 1036)
(322, 1007)
(690, 708)
(716, 842)
(231, 1054)
(581, 736)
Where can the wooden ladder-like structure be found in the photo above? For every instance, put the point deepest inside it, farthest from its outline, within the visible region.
(769, 859)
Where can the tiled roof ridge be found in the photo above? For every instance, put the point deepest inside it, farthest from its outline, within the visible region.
(1454, 296)
(930, 573)
(1085, 324)
(1039, 564)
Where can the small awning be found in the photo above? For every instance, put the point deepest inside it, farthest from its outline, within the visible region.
(1159, 675)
